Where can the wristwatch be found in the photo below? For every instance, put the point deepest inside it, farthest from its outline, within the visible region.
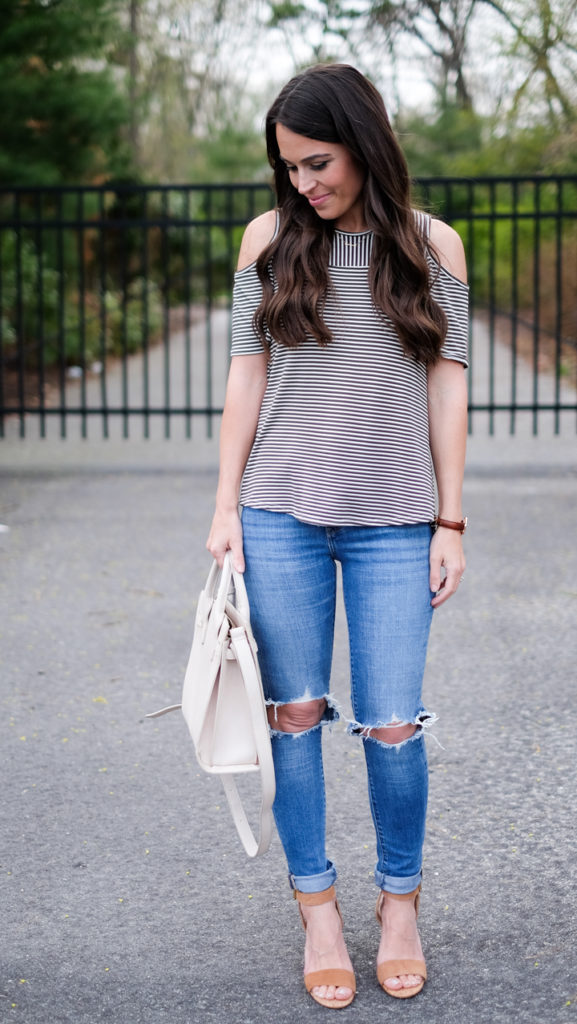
(450, 524)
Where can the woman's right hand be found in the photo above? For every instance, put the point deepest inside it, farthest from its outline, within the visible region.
(226, 535)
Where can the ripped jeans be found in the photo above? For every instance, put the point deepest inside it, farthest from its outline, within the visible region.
(291, 582)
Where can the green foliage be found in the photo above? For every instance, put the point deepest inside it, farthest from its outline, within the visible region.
(231, 155)
(24, 277)
(114, 323)
(62, 112)
(48, 318)
(521, 254)
(285, 11)
(132, 316)
(445, 143)
(453, 142)
(188, 234)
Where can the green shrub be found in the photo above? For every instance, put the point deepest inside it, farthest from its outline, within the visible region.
(73, 328)
(29, 294)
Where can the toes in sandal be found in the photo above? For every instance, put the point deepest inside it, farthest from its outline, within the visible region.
(392, 968)
(331, 975)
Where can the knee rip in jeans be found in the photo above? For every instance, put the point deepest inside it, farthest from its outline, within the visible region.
(395, 734)
(297, 717)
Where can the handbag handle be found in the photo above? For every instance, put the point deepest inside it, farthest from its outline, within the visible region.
(218, 587)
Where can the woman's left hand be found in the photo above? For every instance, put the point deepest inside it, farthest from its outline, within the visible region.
(446, 553)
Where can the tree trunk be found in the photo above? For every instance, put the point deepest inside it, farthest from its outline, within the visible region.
(134, 135)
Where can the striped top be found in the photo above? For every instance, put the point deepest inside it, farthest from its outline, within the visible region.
(343, 432)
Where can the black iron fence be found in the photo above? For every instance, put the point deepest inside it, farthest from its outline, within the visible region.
(115, 302)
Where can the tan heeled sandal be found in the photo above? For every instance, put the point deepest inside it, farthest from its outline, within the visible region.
(331, 975)
(392, 968)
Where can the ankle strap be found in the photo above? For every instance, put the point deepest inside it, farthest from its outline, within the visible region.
(415, 895)
(314, 899)
(402, 895)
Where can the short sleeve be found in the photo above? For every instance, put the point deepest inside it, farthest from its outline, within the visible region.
(246, 298)
(452, 294)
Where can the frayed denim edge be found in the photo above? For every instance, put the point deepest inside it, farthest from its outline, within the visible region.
(424, 720)
(331, 715)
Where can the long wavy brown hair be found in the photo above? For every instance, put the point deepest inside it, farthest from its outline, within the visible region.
(335, 103)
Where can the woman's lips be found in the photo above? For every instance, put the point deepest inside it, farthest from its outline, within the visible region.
(317, 200)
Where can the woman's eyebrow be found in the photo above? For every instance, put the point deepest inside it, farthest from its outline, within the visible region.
(308, 159)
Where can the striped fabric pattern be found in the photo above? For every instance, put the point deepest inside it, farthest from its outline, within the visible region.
(342, 437)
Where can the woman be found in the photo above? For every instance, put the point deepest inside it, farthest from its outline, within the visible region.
(346, 383)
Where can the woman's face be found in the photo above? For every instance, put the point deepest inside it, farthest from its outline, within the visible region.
(327, 175)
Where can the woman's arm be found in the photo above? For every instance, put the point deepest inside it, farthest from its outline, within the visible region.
(246, 386)
(245, 390)
(447, 390)
(447, 431)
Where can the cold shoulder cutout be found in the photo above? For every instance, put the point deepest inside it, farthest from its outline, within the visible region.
(449, 249)
(258, 234)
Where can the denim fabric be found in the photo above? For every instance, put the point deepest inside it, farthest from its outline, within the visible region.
(291, 582)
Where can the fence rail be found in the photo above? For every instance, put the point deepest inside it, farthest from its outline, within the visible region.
(115, 302)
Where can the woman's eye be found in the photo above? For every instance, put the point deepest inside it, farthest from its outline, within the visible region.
(313, 167)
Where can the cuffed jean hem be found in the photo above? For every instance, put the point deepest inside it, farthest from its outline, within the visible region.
(398, 886)
(315, 883)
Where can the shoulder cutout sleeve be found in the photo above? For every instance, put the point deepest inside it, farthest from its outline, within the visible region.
(245, 300)
(452, 294)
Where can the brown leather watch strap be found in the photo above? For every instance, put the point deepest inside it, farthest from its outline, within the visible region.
(450, 524)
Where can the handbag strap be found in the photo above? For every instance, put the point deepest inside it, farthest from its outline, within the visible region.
(164, 711)
(254, 847)
(221, 582)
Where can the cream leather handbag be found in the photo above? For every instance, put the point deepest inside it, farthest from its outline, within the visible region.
(223, 701)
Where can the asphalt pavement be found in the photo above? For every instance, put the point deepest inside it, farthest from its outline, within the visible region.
(126, 895)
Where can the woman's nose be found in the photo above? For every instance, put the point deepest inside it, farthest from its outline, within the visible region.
(306, 182)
